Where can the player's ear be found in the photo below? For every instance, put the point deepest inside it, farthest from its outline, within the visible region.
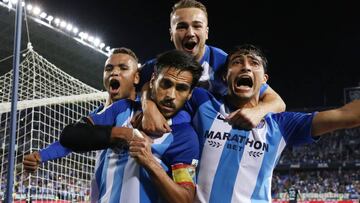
(152, 80)
(137, 77)
(266, 77)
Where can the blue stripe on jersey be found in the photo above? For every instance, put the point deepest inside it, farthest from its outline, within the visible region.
(98, 173)
(263, 182)
(118, 177)
(103, 172)
(223, 192)
(159, 149)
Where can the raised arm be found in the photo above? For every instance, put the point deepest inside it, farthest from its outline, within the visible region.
(347, 116)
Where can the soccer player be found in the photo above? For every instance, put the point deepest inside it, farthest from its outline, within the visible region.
(237, 165)
(189, 32)
(119, 78)
(138, 168)
(292, 193)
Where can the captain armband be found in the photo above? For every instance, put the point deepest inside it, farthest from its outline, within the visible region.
(184, 174)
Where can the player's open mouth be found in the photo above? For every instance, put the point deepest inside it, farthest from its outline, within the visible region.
(114, 86)
(189, 45)
(243, 82)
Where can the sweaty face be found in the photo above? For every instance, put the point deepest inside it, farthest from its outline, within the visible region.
(189, 31)
(120, 75)
(170, 90)
(245, 76)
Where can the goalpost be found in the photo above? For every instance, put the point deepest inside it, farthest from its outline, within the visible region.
(49, 99)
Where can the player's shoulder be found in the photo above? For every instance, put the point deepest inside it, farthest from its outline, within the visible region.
(217, 51)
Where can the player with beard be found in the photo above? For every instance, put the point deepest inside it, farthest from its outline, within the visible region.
(237, 165)
(189, 31)
(119, 79)
(133, 166)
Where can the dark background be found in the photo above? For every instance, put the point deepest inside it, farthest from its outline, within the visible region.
(312, 46)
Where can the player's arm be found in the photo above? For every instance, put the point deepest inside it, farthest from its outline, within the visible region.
(82, 137)
(248, 118)
(347, 116)
(179, 189)
(54, 151)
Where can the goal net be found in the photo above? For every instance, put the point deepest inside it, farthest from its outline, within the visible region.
(49, 99)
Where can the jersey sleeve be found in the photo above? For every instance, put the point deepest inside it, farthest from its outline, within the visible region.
(54, 151)
(199, 96)
(108, 115)
(185, 146)
(146, 72)
(296, 127)
(263, 88)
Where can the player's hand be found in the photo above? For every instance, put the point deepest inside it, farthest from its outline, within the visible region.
(140, 149)
(153, 122)
(245, 118)
(32, 161)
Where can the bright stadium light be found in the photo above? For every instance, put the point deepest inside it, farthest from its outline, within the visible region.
(49, 18)
(57, 21)
(75, 30)
(23, 4)
(63, 24)
(69, 27)
(91, 38)
(85, 35)
(29, 7)
(107, 49)
(102, 45)
(36, 10)
(96, 41)
(43, 15)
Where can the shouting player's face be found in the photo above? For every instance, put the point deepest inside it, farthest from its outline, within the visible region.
(245, 76)
(170, 90)
(120, 76)
(189, 31)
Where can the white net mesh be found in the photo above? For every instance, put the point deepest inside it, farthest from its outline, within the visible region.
(49, 99)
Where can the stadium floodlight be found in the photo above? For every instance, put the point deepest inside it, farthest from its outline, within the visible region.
(75, 30)
(107, 49)
(43, 15)
(90, 38)
(139, 65)
(102, 45)
(36, 10)
(57, 21)
(63, 24)
(29, 7)
(69, 27)
(49, 18)
(96, 41)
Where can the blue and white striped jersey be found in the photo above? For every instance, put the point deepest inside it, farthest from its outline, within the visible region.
(237, 165)
(118, 177)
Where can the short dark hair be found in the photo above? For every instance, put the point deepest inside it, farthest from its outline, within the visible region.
(247, 49)
(124, 50)
(188, 4)
(179, 60)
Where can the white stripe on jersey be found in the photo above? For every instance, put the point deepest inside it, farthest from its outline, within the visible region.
(248, 170)
(130, 190)
(113, 157)
(205, 182)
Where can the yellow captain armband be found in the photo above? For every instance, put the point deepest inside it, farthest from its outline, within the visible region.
(183, 174)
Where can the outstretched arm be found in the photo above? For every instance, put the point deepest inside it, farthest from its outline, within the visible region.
(347, 116)
(248, 118)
